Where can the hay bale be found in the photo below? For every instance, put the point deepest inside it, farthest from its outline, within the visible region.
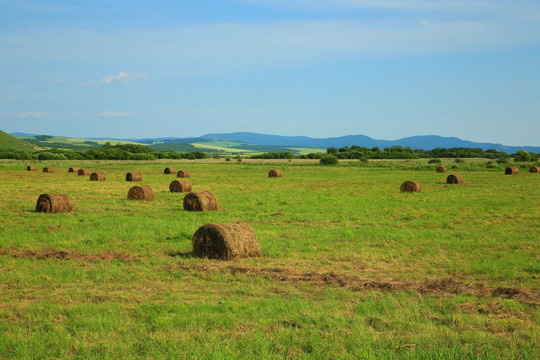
(534, 169)
(511, 171)
(169, 170)
(410, 186)
(455, 179)
(82, 172)
(183, 174)
(275, 173)
(225, 242)
(31, 168)
(201, 201)
(97, 177)
(180, 186)
(54, 203)
(440, 169)
(74, 169)
(134, 176)
(142, 192)
(48, 169)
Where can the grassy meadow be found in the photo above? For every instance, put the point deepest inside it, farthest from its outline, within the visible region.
(351, 267)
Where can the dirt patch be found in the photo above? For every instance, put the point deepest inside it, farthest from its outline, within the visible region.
(69, 255)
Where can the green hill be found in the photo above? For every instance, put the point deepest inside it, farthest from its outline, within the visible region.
(10, 142)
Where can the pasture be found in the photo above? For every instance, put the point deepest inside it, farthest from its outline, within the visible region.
(350, 268)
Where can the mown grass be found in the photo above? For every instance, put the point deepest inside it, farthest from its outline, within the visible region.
(159, 302)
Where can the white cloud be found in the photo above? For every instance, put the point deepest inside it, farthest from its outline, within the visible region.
(29, 114)
(122, 78)
(11, 100)
(116, 114)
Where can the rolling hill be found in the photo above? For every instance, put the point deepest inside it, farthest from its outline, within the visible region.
(8, 141)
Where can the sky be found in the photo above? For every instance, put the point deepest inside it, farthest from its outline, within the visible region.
(388, 69)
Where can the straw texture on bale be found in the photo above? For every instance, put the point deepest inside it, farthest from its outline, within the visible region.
(180, 186)
(48, 169)
(31, 168)
(54, 203)
(169, 170)
(82, 172)
(534, 169)
(183, 174)
(275, 173)
(225, 242)
(440, 169)
(135, 176)
(74, 169)
(97, 177)
(455, 179)
(142, 192)
(201, 201)
(511, 171)
(410, 186)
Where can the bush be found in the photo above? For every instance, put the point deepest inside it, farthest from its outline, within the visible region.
(502, 160)
(329, 159)
(434, 161)
(522, 155)
(458, 160)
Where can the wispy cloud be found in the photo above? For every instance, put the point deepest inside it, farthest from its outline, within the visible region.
(116, 114)
(11, 100)
(120, 78)
(29, 114)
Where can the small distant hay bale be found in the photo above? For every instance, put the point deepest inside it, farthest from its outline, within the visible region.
(135, 176)
(455, 179)
(183, 174)
(54, 203)
(440, 169)
(169, 170)
(275, 173)
(97, 177)
(180, 186)
(511, 171)
(201, 201)
(410, 186)
(534, 169)
(141, 192)
(48, 169)
(31, 168)
(74, 169)
(225, 242)
(82, 172)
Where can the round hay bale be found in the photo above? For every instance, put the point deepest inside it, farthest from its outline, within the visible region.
(410, 186)
(48, 169)
(225, 242)
(440, 169)
(180, 186)
(142, 192)
(134, 176)
(511, 171)
(455, 179)
(97, 177)
(183, 174)
(82, 172)
(201, 201)
(74, 169)
(275, 173)
(169, 170)
(54, 203)
(31, 168)
(534, 169)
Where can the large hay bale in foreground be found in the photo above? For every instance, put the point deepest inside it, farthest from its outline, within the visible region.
(82, 172)
(534, 169)
(201, 201)
(54, 203)
(135, 176)
(142, 192)
(97, 177)
(48, 169)
(275, 173)
(183, 174)
(225, 242)
(410, 186)
(31, 168)
(440, 169)
(455, 179)
(511, 171)
(180, 186)
(74, 169)
(169, 170)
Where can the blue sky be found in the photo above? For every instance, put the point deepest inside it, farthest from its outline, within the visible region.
(383, 68)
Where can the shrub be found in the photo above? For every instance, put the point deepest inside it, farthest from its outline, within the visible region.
(434, 161)
(329, 159)
(458, 161)
(502, 160)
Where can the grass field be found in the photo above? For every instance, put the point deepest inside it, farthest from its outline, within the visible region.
(351, 268)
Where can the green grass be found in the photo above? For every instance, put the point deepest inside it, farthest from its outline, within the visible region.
(315, 222)
(11, 142)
